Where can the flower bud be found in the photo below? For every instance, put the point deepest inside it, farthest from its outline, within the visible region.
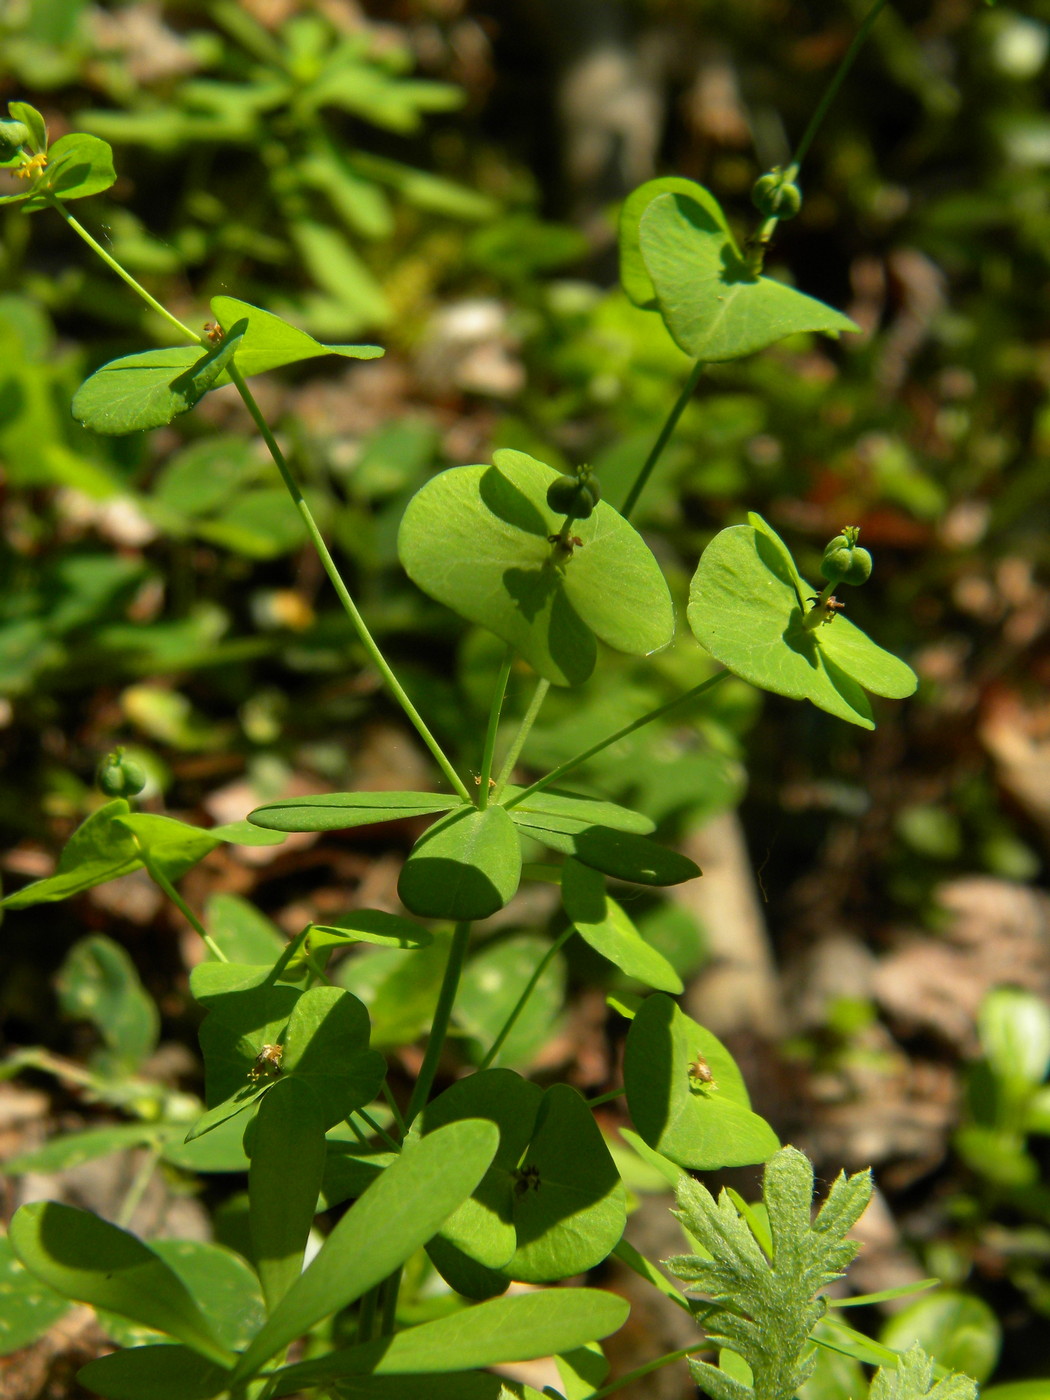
(776, 197)
(120, 775)
(13, 135)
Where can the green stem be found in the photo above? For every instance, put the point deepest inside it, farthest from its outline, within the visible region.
(490, 734)
(378, 1129)
(335, 578)
(802, 149)
(662, 440)
(160, 879)
(538, 697)
(137, 1189)
(388, 1094)
(606, 1098)
(457, 954)
(389, 1289)
(114, 266)
(367, 1314)
(327, 562)
(572, 763)
(646, 1370)
(530, 987)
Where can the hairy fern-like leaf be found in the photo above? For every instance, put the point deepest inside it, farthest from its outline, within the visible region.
(912, 1379)
(765, 1310)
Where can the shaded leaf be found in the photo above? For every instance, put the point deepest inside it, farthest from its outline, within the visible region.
(713, 307)
(77, 165)
(477, 539)
(27, 1306)
(602, 923)
(467, 866)
(370, 926)
(148, 390)
(634, 276)
(698, 1124)
(156, 1372)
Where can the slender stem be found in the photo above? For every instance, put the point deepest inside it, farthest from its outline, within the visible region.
(605, 1098)
(538, 697)
(530, 987)
(378, 1129)
(114, 266)
(388, 1291)
(159, 878)
(572, 763)
(490, 734)
(335, 578)
(830, 92)
(367, 1314)
(137, 1189)
(328, 563)
(358, 1132)
(662, 440)
(439, 1026)
(388, 1094)
(647, 1369)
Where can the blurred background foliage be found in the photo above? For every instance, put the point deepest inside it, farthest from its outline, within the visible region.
(444, 176)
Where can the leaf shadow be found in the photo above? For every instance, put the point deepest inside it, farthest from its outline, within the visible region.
(510, 504)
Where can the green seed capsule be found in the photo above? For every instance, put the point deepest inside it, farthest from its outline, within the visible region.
(121, 776)
(844, 561)
(13, 136)
(573, 495)
(776, 198)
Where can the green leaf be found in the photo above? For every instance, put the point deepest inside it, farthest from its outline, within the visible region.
(76, 1148)
(326, 1046)
(398, 1213)
(567, 806)
(959, 1330)
(765, 1310)
(288, 1158)
(169, 842)
(602, 923)
(268, 342)
(699, 1125)
(221, 1150)
(467, 866)
(1018, 1390)
(91, 1261)
(153, 1373)
(243, 934)
(148, 390)
(98, 851)
(483, 1226)
(238, 1024)
(912, 1379)
(502, 1331)
(77, 166)
(370, 926)
(33, 121)
(221, 1283)
(713, 307)
(634, 276)
(626, 856)
(98, 981)
(27, 1306)
(582, 1370)
(570, 1205)
(477, 539)
(747, 606)
(338, 811)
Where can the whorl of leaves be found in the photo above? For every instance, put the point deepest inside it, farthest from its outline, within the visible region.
(765, 1310)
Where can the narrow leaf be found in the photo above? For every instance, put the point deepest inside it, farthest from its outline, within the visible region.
(602, 923)
(288, 1156)
(269, 342)
(398, 1213)
(337, 811)
(89, 1260)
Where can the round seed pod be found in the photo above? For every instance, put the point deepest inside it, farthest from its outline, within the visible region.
(121, 776)
(573, 495)
(13, 135)
(776, 198)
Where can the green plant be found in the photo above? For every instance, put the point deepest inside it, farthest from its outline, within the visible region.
(497, 1178)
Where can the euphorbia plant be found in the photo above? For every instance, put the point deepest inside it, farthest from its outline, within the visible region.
(498, 1179)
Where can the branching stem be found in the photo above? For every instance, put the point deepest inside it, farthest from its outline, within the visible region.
(495, 711)
(572, 763)
(538, 697)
